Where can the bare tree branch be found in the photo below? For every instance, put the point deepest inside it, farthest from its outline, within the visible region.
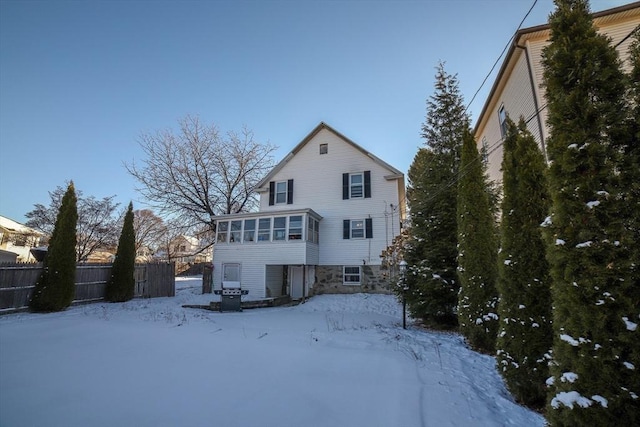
(197, 174)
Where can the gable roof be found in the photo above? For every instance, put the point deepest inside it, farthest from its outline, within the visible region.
(393, 171)
(16, 227)
(540, 31)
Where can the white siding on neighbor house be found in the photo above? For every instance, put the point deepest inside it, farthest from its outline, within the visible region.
(317, 185)
(518, 100)
(515, 90)
(253, 259)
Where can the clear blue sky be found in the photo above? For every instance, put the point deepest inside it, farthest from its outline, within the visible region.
(81, 80)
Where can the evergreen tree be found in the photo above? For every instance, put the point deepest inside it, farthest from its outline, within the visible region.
(432, 247)
(477, 252)
(525, 333)
(55, 288)
(591, 246)
(121, 284)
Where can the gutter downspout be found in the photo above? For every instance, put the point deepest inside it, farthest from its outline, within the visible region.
(535, 101)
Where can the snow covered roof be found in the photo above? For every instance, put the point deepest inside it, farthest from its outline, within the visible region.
(16, 227)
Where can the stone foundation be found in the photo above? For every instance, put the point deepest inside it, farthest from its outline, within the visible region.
(329, 280)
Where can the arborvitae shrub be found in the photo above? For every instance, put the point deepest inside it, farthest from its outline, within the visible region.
(477, 253)
(525, 334)
(121, 284)
(55, 289)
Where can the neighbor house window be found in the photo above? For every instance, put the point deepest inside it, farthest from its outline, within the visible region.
(249, 230)
(351, 275)
(295, 227)
(357, 228)
(280, 228)
(223, 227)
(264, 229)
(236, 232)
(324, 148)
(502, 118)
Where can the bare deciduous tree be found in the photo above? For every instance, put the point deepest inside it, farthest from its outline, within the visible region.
(197, 173)
(97, 225)
(149, 229)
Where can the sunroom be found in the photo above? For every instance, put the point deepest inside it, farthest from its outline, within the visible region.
(270, 254)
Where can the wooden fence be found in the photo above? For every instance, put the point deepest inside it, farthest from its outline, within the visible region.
(17, 282)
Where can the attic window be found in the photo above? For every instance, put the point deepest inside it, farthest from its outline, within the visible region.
(324, 148)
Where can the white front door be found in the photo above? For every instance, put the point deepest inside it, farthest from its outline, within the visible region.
(231, 275)
(295, 277)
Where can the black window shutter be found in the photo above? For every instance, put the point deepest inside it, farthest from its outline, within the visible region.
(346, 232)
(345, 186)
(289, 191)
(367, 184)
(368, 228)
(272, 192)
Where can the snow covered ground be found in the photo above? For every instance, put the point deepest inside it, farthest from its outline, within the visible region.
(337, 360)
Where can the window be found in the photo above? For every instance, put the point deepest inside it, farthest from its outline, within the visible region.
(279, 228)
(357, 228)
(356, 185)
(249, 230)
(502, 118)
(313, 230)
(281, 192)
(264, 229)
(351, 275)
(231, 275)
(223, 227)
(236, 232)
(324, 148)
(295, 227)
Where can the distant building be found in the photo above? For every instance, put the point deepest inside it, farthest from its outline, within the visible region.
(18, 239)
(518, 89)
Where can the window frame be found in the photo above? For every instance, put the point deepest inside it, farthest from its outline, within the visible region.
(352, 185)
(251, 231)
(222, 233)
(359, 229)
(299, 229)
(282, 193)
(275, 229)
(346, 274)
(324, 148)
(262, 232)
(502, 120)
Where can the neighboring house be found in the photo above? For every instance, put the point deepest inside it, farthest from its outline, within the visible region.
(518, 89)
(18, 239)
(188, 250)
(327, 211)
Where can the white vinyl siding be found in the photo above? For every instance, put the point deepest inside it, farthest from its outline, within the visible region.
(318, 183)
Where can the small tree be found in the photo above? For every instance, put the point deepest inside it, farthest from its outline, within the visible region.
(477, 253)
(121, 284)
(525, 333)
(55, 289)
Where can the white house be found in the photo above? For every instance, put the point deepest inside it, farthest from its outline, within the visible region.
(17, 239)
(327, 211)
(518, 90)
